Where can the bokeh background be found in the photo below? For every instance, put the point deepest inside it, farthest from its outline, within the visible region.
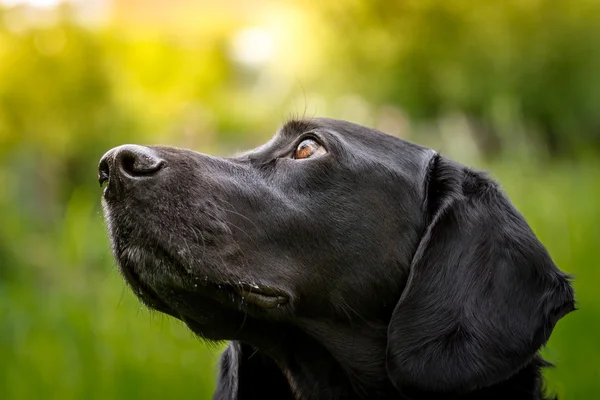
(511, 86)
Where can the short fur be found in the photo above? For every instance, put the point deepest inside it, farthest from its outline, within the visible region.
(379, 270)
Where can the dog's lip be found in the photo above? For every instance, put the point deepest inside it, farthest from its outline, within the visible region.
(262, 296)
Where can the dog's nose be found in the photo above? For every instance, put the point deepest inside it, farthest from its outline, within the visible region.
(128, 163)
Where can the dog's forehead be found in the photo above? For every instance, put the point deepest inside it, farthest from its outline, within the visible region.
(348, 132)
(287, 132)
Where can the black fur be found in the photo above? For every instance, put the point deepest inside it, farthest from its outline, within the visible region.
(379, 270)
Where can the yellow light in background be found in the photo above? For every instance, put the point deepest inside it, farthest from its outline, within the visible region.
(253, 46)
(33, 3)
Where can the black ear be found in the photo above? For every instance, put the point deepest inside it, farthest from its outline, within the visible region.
(483, 295)
(246, 374)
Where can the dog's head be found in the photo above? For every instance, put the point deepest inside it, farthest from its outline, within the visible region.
(331, 225)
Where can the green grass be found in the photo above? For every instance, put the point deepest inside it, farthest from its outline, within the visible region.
(70, 345)
(70, 329)
(561, 204)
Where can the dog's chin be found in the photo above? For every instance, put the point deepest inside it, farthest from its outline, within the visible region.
(213, 309)
(142, 289)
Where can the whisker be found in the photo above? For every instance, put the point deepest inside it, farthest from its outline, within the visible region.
(345, 306)
(253, 353)
(236, 213)
(231, 233)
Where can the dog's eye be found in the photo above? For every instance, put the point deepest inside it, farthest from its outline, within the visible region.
(308, 148)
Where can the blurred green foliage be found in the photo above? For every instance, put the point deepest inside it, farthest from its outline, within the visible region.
(502, 63)
(508, 86)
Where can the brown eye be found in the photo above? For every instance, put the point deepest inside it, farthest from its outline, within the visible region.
(308, 148)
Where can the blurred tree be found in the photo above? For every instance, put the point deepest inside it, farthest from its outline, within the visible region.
(57, 110)
(502, 63)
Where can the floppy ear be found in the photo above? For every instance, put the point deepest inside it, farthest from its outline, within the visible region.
(482, 296)
(247, 375)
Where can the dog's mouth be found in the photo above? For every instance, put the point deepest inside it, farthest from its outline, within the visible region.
(261, 296)
(239, 294)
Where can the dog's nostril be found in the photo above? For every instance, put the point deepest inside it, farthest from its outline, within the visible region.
(103, 171)
(122, 166)
(137, 161)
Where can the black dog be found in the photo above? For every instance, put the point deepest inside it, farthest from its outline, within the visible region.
(342, 263)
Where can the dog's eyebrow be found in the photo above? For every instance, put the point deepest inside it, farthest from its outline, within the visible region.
(295, 127)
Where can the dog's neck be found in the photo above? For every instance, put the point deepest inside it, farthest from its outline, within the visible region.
(316, 371)
(352, 367)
